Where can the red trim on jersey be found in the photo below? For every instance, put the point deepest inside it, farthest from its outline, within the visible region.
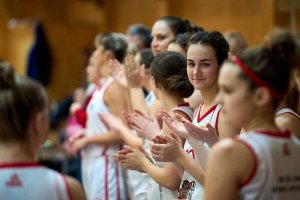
(118, 181)
(250, 177)
(181, 112)
(57, 188)
(196, 111)
(106, 178)
(217, 121)
(285, 134)
(183, 104)
(199, 118)
(20, 165)
(290, 111)
(104, 151)
(67, 187)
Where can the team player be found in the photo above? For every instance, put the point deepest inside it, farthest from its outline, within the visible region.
(102, 176)
(24, 124)
(206, 53)
(170, 85)
(262, 163)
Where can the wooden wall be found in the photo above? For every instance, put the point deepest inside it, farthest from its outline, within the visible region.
(71, 25)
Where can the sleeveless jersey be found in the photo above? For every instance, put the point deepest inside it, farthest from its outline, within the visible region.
(276, 174)
(30, 180)
(286, 110)
(165, 194)
(101, 175)
(190, 188)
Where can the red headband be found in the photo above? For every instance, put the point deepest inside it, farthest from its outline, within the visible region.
(255, 78)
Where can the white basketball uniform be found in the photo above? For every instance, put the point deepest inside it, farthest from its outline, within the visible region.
(276, 174)
(30, 180)
(190, 188)
(286, 110)
(101, 175)
(164, 193)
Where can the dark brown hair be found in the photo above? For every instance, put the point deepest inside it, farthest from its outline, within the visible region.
(169, 70)
(20, 99)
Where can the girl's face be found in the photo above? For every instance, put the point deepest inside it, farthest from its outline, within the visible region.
(176, 48)
(202, 66)
(237, 100)
(92, 70)
(161, 37)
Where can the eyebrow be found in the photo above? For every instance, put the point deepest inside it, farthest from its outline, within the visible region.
(203, 60)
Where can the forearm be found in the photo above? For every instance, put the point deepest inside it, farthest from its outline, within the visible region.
(129, 138)
(165, 176)
(191, 165)
(138, 100)
(105, 139)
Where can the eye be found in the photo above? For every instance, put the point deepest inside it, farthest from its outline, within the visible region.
(205, 64)
(160, 37)
(190, 64)
(226, 90)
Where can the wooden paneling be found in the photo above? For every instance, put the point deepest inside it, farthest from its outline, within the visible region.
(71, 25)
(252, 18)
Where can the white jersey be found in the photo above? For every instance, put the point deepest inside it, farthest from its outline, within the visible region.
(190, 188)
(164, 193)
(276, 174)
(286, 110)
(101, 175)
(29, 181)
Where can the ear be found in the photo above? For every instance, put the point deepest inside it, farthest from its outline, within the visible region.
(262, 96)
(40, 126)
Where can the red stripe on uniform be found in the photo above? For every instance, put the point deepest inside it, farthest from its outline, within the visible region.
(199, 118)
(67, 187)
(253, 172)
(106, 178)
(118, 181)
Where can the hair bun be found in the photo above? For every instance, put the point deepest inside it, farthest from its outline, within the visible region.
(281, 43)
(7, 76)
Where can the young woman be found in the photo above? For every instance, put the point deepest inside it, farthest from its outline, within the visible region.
(102, 176)
(206, 53)
(24, 126)
(170, 85)
(262, 163)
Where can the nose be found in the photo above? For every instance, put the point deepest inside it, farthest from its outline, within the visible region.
(197, 70)
(154, 42)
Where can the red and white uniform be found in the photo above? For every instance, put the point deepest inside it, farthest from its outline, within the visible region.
(101, 175)
(276, 174)
(286, 110)
(30, 180)
(164, 193)
(190, 188)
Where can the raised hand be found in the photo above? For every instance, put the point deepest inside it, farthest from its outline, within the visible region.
(131, 158)
(133, 73)
(186, 129)
(207, 134)
(118, 72)
(166, 148)
(144, 125)
(176, 126)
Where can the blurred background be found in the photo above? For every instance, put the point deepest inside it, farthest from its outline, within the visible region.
(69, 27)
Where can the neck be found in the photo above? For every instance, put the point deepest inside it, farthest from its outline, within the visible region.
(263, 120)
(209, 96)
(15, 152)
(169, 102)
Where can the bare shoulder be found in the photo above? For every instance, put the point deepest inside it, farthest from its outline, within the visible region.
(288, 121)
(235, 157)
(76, 189)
